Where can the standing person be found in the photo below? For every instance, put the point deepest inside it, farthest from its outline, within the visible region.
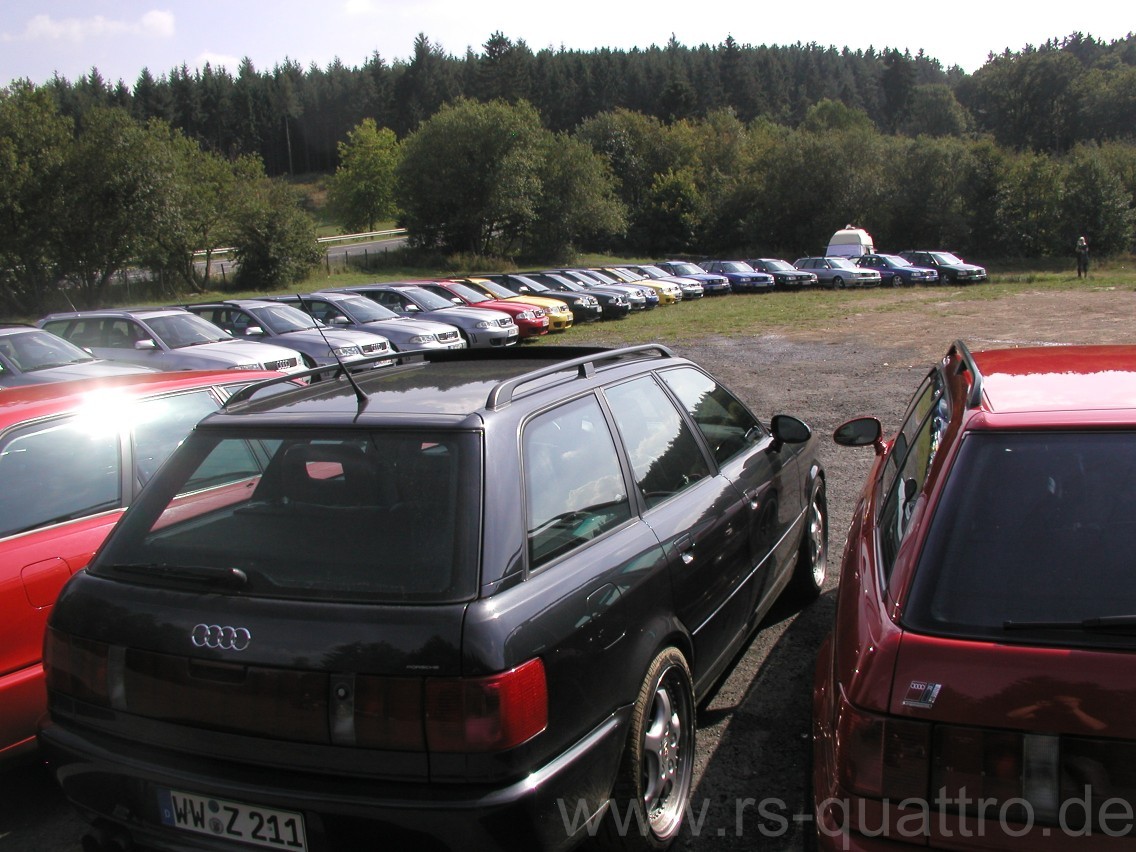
(1082, 257)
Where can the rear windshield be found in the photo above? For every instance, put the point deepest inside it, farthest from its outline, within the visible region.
(360, 516)
(1033, 541)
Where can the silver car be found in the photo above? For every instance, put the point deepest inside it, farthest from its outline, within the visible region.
(347, 310)
(167, 339)
(481, 327)
(32, 356)
(838, 272)
(288, 326)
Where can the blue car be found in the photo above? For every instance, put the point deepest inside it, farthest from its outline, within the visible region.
(713, 284)
(743, 278)
(898, 271)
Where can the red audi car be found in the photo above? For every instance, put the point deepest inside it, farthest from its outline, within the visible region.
(72, 456)
(978, 688)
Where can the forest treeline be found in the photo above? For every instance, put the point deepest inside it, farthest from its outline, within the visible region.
(1047, 98)
(510, 153)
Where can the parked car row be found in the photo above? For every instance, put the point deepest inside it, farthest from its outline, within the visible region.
(292, 332)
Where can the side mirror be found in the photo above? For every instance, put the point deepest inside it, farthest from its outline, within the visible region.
(253, 331)
(861, 432)
(788, 429)
(145, 345)
(338, 320)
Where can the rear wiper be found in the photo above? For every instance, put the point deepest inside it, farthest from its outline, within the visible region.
(1104, 622)
(233, 577)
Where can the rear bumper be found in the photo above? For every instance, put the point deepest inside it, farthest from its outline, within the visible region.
(115, 784)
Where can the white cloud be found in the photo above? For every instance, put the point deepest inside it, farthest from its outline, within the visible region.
(218, 60)
(154, 24)
(359, 8)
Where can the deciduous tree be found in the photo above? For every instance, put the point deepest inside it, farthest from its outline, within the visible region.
(362, 189)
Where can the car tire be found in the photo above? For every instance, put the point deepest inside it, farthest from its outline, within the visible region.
(652, 791)
(812, 558)
(897, 280)
(838, 283)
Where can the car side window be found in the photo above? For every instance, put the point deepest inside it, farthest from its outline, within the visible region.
(664, 453)
(58, 471)
(726, 424)
(162, 423)
(574, 485)
(908, 464)
(120, 334)
(390, 300)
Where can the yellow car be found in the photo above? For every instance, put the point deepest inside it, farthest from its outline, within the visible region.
(668, 291)
(559, 314)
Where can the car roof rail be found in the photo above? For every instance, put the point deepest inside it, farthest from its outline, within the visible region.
(501, 394)
(585, 365)
(974, 397)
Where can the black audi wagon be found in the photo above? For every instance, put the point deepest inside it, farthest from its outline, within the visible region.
(467, 602)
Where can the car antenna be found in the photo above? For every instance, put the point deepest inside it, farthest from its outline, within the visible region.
(359, 394)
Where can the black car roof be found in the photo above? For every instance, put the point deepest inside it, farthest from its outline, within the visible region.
(436, 387)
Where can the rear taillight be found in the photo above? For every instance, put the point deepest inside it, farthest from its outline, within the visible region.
(76, 667)
(1021, 773)
(1016, 778)
(489, 713)
(882, 757)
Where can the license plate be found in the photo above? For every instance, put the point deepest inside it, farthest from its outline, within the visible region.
(232, 820)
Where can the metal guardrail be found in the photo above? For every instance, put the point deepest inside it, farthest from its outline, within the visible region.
(393, 232)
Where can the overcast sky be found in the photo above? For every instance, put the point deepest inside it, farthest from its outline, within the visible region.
(41, 38)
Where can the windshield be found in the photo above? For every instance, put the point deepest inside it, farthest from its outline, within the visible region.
(894, 260)
(652, 271)
(180, 330)
(426, 300)
(532, 284)
(468, 293)
(32, 350)
(687, 269)
(736, 266)
(1032, 527)
(366, 516)
(283, 319)
(945, 257)
(567, 283)
(364, 310)
(843, 263)
(778, 266)
(498, 291)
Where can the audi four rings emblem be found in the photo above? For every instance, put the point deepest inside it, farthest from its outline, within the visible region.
(214, 636)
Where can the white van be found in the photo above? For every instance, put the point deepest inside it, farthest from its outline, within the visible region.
(850, 242)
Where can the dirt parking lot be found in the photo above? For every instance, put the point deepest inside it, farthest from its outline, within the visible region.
(751, 783)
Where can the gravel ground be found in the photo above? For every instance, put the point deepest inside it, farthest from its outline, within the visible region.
(751, 782)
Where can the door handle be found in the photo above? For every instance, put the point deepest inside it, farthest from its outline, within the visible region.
(684, 544)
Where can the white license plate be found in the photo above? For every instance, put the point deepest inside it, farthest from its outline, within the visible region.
(232, 820)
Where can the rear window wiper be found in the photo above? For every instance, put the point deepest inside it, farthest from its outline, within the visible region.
(232, 577)
(1104, 622)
